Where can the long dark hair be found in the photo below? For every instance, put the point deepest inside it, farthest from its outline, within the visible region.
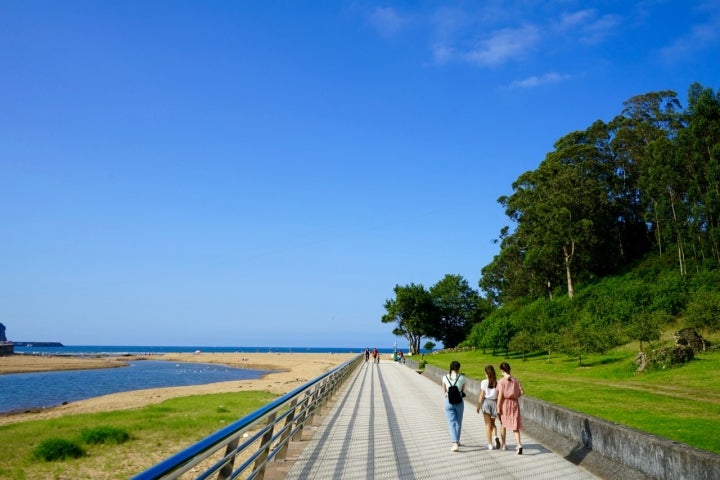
(492, 378)
(455, 365)
(505, 367)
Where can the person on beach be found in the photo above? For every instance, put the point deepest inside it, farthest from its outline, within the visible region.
(367, 354)
(509, 391)
(487, 404)
(454, 411)
(376, 358)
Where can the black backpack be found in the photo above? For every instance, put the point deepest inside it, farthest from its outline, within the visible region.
(454, 394)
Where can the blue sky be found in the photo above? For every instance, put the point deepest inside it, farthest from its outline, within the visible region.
(262, 173)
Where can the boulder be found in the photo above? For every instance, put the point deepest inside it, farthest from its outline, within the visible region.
(689, 337)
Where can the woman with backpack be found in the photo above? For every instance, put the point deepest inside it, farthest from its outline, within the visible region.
(454, 390)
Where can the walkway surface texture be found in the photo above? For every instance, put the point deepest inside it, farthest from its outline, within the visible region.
(388, 422)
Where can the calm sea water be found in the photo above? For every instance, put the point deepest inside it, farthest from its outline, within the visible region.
(145, 349)
(22, 391)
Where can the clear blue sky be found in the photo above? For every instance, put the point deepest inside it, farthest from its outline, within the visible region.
(262, 173)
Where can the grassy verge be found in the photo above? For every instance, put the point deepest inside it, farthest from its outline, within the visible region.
(681, 403)
(156, 432)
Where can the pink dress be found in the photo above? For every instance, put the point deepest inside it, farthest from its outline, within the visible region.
(511, 391)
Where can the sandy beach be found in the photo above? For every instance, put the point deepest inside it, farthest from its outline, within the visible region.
(293, 370)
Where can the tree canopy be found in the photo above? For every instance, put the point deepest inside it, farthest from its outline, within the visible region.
(638, 195)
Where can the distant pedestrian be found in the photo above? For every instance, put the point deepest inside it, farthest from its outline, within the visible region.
(367, 354)
(509, 391)
(487, 404)
(454, 389)
(401, 357)
(376, 357)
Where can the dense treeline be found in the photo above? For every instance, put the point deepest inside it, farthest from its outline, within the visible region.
(615, 234)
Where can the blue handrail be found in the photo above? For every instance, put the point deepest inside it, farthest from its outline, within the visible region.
(291, 408)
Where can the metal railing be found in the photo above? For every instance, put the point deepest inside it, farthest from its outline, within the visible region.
(255, 439)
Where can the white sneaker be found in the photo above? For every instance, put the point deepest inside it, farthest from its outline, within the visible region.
(454, 447)
(490, 447)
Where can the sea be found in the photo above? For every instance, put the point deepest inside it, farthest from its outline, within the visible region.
(157, 350)
(38, 390)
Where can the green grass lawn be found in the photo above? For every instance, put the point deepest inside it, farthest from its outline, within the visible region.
(680, 403)
(156, 432)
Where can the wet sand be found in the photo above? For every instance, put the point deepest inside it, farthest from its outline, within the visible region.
(292, 370)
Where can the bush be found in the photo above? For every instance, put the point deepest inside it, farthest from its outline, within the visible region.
(104, 435)
(57, 449)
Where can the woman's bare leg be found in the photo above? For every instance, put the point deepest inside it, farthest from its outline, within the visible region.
(489, 424)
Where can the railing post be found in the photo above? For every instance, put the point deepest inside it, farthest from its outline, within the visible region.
(227, 469)
(304, 406)
(265, 447)
(313, 405)
(284, 438)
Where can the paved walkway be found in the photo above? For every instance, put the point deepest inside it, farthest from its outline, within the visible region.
(389, 423)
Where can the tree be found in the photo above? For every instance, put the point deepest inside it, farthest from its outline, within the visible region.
(413, 312)
(523, 342)
(583, 337)
(494, 332)
(697, 153)
(645, 327)
(645, 120)
(550, 342)
(455, 305)
(564, 213)
(643, 143)
(703, 310)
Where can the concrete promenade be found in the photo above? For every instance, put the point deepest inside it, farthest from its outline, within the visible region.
(388, 422)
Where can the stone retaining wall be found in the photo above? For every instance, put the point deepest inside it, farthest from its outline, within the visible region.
(648, 454)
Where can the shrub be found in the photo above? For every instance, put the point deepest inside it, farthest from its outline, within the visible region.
(104, 435)
(57, 449)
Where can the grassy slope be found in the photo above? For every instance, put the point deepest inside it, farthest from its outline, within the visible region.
(681, 403)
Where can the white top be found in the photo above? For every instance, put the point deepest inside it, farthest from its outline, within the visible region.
(490, 393)
(460, 381)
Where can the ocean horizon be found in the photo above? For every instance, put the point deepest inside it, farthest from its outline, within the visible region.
(161, 349)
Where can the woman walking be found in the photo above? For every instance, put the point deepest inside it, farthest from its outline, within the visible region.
(509, 391)
(487, 404)
(454, 389)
